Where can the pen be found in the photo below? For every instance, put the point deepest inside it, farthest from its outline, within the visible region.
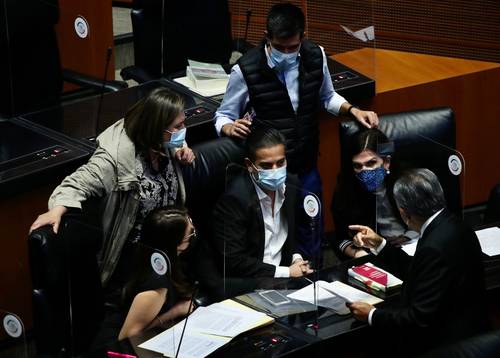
(119, 355)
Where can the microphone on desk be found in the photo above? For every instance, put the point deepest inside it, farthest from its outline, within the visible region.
(195, 291)
(109, 52)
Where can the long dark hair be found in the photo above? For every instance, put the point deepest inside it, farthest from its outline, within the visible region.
(146, 120)
(162, 230)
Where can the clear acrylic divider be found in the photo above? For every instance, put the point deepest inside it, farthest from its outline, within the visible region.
(445, 162)
(254, 273)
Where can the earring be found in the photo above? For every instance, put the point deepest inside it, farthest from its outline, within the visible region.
(388, 171)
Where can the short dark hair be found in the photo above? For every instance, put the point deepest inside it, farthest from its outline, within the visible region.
(146, 120)
(284, 21)
(419, 193)
(262, 137)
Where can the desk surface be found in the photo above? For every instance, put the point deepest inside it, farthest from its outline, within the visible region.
(305, 332)
(394, 70)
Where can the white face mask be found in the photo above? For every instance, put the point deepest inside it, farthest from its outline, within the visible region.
(283, 61)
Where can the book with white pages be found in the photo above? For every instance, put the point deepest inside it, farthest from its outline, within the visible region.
(207, 70)
(207, 329)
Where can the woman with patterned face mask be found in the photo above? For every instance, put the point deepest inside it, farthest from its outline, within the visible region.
(364, 194)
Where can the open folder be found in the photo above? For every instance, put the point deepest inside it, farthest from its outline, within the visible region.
(207, 329)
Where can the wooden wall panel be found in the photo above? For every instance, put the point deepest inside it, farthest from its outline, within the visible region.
(17, 213)
(88, 55)
(455, 28)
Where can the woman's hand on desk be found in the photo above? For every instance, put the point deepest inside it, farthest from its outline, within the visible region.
(51, 217)
(355, 252)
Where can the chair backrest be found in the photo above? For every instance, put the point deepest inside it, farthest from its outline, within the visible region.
(492, 213)
(205, 182)
(424, 138)
(25, 85)
(198, 30)
(146, 25)
(67, 294)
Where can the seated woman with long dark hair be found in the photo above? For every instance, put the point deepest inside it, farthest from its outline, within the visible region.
(158, 290)
(364, 194)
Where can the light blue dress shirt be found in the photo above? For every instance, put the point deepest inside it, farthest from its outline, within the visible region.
(236, 97)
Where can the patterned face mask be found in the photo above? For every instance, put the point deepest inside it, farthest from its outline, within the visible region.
(372, 179)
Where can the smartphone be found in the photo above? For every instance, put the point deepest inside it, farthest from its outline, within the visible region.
(274, 297)
(250, 115)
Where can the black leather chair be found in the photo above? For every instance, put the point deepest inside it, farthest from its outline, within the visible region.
(194, 29)
(422, 139)
(492, 213)
(67, 294)
(27, 33)
(68, 303)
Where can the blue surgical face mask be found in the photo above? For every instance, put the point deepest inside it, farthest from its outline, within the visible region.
(283, 61)
(372, 179)
(176, 139)
(271, 179)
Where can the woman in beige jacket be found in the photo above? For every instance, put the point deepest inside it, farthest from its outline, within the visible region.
(133, 171)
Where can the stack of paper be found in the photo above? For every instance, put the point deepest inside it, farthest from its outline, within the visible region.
(333, 295)
(489, 239)
(206, 75)
(207, 329)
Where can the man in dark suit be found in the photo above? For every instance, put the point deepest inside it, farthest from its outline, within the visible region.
(254, 231)
(442, 299)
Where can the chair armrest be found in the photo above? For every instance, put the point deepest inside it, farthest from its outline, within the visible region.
(88, 81)
(137, 74)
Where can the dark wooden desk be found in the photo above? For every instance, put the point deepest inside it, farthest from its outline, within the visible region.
(310, 333)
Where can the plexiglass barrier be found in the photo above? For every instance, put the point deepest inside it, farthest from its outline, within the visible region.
(423, 153)
(256, 234)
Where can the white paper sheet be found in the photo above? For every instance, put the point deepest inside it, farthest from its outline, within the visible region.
(365, 34)
(194, 345)
(489, 239)
(207, 329)
(410, 248)
(333, 295)
(223, 320)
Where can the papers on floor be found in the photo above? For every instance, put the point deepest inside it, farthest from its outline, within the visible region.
(333, 295)
(489, 239)
(207, 329)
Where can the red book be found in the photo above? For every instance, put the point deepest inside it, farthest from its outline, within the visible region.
(371, 273)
